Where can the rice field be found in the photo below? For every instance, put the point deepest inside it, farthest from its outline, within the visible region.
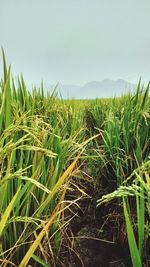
(73, 172)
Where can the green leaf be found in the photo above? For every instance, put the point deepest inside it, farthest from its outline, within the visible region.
(7, 212)
(135, 255)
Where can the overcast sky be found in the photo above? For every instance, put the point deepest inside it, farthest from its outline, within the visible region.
(76, 41)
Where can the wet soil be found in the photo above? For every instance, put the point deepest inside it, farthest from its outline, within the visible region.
(97, 235)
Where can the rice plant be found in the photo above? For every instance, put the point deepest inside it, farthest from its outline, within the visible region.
(39, 154)
(139, 189)
(45, 143)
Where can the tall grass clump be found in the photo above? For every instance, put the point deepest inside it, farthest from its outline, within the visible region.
(38, 154)
(50, 145)
(125, 135)
(125, 162)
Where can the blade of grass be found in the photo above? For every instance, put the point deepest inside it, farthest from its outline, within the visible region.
(7, 212)
(135, 255)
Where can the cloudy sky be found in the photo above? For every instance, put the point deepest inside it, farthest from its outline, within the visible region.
(76, 41)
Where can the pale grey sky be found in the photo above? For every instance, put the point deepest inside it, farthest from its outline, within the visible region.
(76, 41)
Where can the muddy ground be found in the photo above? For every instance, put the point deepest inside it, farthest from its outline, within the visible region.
(97, 235)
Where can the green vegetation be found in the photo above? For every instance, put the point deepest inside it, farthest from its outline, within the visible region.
(46, 145)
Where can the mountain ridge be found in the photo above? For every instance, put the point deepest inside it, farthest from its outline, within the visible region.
(96, 89)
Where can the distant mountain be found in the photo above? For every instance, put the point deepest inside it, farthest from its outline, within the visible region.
(94, 89)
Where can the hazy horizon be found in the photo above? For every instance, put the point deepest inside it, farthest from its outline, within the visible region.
(75, 42)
